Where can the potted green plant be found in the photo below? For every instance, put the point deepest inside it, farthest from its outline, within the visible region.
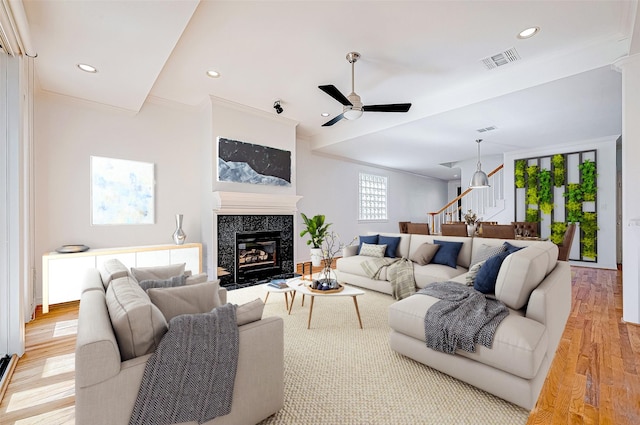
(317, 230)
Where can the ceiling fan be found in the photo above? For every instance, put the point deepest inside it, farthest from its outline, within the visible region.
(352, 107)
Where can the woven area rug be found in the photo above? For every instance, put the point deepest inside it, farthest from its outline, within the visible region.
(337, 373)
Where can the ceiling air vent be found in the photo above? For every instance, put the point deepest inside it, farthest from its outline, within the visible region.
(484, 130)
(502, 58)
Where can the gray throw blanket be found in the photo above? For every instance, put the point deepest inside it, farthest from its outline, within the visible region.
(400, 274)
(190, 376)
(462, 318)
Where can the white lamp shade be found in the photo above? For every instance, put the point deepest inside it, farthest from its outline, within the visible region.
(352, 114)
(479, 180)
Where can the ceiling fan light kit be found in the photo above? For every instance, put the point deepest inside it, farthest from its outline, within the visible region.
(479, 180)
(352, 107)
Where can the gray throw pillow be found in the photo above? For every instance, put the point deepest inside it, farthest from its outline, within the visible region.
(187, 299)
(249, 312)
(424, 253)
(164, 283)
(485, 252)
(369, 250)
(470, 279)
(197, 278)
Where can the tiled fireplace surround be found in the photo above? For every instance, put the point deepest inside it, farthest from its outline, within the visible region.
(248, 212)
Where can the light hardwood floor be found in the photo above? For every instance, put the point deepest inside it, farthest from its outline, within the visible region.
(594, 378)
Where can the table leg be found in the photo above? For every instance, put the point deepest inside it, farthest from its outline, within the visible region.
(267, 297)
(286, 300)
(355, 302)
(310, 312)
(293, 297)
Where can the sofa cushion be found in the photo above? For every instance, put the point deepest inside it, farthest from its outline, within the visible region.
(370, 239)
(430, 273)
(519, 344)
(157, 272)
(424, 254)
(249, 312)
(188, 299)
(368, 250)
(523, 271)
(138, 324)
(163, 283)
(447, 254)
(353, 265)
(392, 243)
(484, 252)
(112, 269)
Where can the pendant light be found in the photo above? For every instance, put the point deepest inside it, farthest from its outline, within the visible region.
(479, 179)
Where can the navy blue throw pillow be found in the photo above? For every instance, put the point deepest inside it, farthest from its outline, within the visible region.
(511, 248)
(447, 254)
(392, 243)
(370, 239)
(486, 278)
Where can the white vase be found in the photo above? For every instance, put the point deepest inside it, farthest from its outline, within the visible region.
(316, 256)
(471, 229)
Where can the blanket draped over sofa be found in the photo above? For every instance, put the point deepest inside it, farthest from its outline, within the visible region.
(190, 376)
(462, 318)
(400, 275)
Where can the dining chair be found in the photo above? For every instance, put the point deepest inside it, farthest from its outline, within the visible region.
(418, 228)
(527, 228)
(403, 226)
(499, 231)
(454, 229)
(567, 241)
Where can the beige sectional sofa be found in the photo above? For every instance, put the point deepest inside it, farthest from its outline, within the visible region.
(533, 284)
(107, 385)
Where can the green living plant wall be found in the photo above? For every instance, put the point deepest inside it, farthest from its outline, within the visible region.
(558, 170)
(589, 227)
(588, 175)
(532, 185)
(539, 183)
(519, 172)
(545, 195)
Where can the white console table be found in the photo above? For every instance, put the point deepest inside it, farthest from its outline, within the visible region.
(62, 274)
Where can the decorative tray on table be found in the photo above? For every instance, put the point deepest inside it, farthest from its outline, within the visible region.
(326, 291)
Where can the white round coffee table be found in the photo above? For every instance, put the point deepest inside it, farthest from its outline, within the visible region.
(302, 288)
(284, 291)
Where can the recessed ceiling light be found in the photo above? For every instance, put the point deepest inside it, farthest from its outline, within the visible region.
(325, 114)
(213, 74)
(87, 68)
(529, 32)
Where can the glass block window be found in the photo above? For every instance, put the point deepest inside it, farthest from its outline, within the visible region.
(373, 197)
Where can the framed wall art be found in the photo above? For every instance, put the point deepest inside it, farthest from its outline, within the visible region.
(122, 191)
(242, 162)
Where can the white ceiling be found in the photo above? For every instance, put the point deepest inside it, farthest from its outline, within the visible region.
(424, 52)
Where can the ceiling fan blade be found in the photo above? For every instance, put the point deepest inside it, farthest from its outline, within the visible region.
(392, 107)
(333, 121)
(332, 91)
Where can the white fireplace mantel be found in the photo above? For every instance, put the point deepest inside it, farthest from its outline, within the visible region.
(254, 203)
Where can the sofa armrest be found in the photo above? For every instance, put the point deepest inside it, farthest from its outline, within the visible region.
(550, 303)
(97, 354)
(350, 250)
(222, 292)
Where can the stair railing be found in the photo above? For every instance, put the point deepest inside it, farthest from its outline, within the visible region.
(477, 200)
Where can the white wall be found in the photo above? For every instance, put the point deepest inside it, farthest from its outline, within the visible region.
(67, 132)
(330, 186)
(606, 169)
(630, 178)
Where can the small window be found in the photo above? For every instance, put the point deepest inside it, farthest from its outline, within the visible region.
(373, 197)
